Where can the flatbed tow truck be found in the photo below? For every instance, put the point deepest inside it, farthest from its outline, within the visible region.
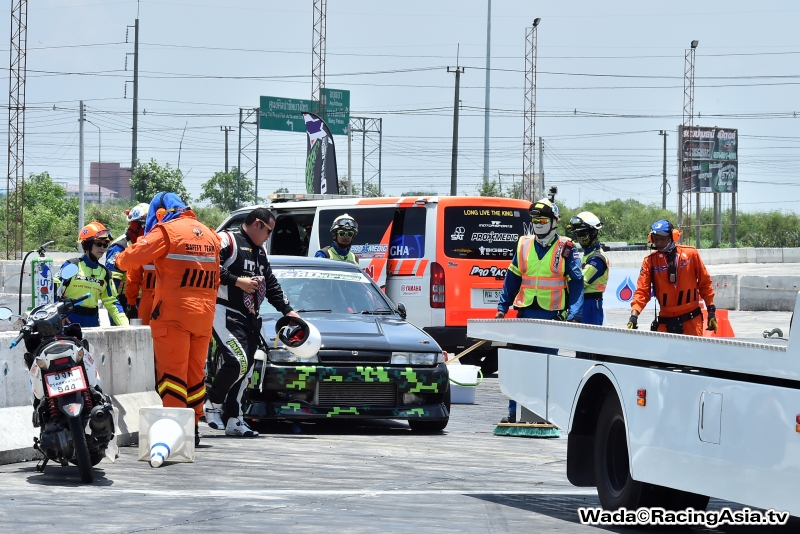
(656, 419)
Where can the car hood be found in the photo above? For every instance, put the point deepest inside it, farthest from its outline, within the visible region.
(361, 332)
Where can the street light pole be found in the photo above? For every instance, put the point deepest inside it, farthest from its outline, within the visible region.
(99, 163)
(664, 181)
(454, 162)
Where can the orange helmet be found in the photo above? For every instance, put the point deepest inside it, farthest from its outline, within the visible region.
(94, 230)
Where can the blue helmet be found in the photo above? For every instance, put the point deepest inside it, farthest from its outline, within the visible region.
(662, 228)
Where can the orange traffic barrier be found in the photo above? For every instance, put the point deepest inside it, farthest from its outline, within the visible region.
(724, 328)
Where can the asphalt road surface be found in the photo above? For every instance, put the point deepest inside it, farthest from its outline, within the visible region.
(335, 477)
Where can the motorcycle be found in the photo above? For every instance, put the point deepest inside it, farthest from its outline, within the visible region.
(75, 416)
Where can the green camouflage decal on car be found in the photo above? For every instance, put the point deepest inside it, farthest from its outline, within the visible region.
(303, 372)
(419, 412)
(338, 410)
(420, 385)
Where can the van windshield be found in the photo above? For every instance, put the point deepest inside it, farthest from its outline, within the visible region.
(475, 232)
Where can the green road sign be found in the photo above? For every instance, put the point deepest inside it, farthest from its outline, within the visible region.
(283, 114)
(286, 114)
(337, 109)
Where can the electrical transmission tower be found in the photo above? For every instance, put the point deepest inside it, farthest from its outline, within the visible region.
(371, 131)
(318, 54)
(248, 152)
(685, 146)
(15, 183)
(530, 186)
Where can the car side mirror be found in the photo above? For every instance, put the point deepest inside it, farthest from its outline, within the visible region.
(401, 309)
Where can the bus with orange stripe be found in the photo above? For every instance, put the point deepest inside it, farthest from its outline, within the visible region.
(444, 258)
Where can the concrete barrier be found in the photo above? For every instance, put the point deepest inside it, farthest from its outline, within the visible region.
(768, 293)
(125, 362)
(716, 256)
(726, 290)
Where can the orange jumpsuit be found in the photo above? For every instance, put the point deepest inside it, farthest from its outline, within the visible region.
(139, 289)
(186, 258)
(680, 298)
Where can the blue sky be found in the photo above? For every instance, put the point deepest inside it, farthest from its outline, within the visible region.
(610, 77)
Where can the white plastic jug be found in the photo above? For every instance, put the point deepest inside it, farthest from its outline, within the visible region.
(464, 381)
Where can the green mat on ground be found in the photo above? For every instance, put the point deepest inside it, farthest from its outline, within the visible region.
(527, 431)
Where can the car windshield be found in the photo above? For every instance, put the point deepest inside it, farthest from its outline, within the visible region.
(329, 291)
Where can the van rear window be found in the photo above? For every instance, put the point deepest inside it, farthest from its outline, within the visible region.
(475, 232)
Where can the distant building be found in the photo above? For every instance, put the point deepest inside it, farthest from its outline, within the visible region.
(90, 193)
(112, 176)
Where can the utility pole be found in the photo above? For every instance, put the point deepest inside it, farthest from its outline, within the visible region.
(541, 170)
(135, 96)
(488, 87)
(226, 129)
(239, 166)
(664, 181)
(81, 119)
(454, 163)
(349, 159)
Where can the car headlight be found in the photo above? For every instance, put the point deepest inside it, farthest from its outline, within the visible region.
(285, 356)
(414, 358)
(440, 357)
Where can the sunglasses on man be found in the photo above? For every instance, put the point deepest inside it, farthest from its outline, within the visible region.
(345, 233)
(101, 244)
(540, 220)
(266, 226)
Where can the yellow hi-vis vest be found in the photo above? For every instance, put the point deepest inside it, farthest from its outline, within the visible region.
(599, 285)
(544, 280)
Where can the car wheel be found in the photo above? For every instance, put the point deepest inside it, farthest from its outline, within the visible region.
(615, 487)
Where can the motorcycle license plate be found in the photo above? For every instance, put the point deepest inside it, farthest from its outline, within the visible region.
(65, 382)
(491, 296)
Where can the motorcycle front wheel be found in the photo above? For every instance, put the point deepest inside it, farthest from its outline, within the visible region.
(82, 458)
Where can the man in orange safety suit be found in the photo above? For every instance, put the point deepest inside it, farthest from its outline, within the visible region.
(676, 275)
(185, 254)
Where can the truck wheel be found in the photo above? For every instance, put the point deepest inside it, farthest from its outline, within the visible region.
(615, 487)
(681, 500)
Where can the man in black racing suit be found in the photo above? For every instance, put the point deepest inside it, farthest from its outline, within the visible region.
(245, 279)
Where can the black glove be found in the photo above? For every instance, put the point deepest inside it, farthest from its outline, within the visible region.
(132, 312)
(712, 319)
(633, 322)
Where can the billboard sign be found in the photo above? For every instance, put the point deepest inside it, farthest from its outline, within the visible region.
(712, 154)
(286, 114)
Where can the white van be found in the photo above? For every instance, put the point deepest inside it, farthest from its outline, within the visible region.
(444, 258)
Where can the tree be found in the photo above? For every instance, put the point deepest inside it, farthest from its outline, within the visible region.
(371, 190)
(281, 190)
(494, 188)
(49, 215)
(150, 178)
(221, 190)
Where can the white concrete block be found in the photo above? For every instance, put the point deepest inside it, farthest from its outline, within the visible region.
(769, 255)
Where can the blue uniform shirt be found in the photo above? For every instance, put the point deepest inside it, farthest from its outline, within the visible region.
(513, 282)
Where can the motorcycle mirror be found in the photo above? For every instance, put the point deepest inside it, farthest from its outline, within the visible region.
(5, 313)
(69, 271)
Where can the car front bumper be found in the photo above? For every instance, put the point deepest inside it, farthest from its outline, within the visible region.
(343, 391)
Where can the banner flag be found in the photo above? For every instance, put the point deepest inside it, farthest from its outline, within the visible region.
(321, 174)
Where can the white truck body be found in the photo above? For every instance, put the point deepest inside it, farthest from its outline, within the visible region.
(720, 419)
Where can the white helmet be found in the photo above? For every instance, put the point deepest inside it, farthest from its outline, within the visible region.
(138, 212)
(300, 337)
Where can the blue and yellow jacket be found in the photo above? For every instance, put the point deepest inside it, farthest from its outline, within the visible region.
(94, 279)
